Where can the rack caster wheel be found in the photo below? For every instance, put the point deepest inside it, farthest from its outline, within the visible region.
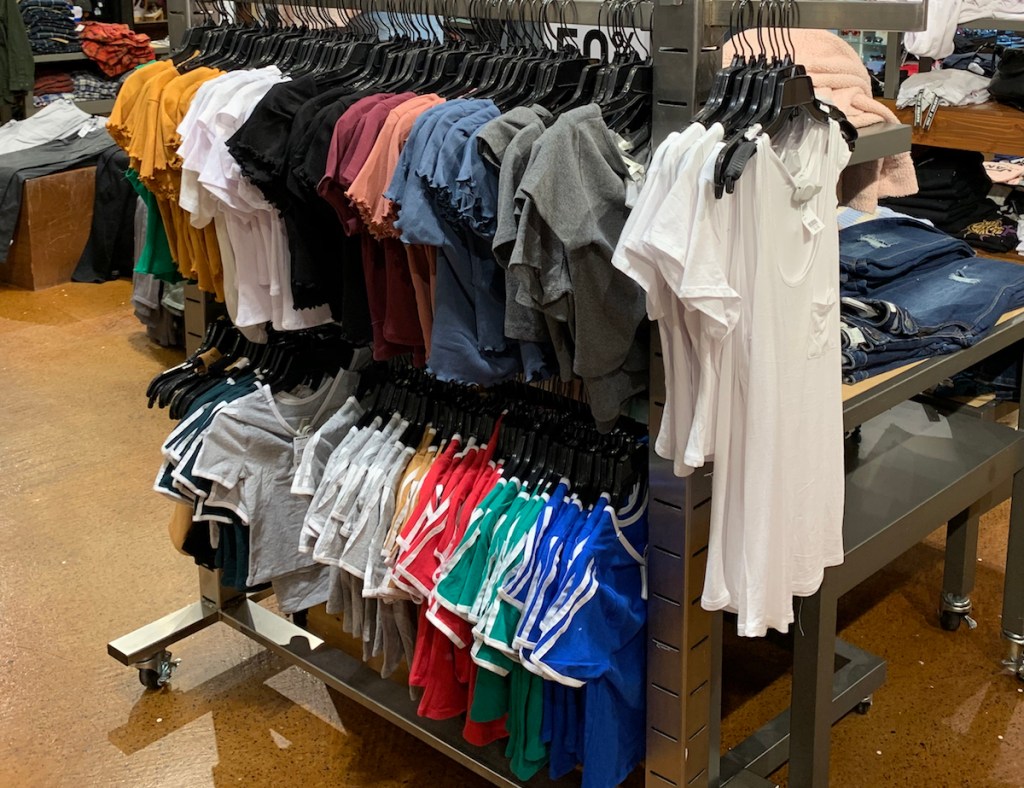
(954, 610)
(864, 706)
(156, 671)
(950, 621)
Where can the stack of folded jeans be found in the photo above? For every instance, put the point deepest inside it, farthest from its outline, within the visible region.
(50, 25)
(911, 292)
(953, 189)
(997, 376)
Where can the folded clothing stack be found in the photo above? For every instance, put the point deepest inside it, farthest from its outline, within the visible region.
(952, 189)
(116, 48)
(998, 376)
(50, 25)
(982, 63)
(1008, 170)
(92, 87)
(1007, 86)
(49, 87)
(997, 232)
(911, 291)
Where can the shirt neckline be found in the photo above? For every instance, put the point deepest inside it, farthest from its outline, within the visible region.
(327, 392)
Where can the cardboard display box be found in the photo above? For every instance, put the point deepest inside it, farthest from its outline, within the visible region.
(53, 228)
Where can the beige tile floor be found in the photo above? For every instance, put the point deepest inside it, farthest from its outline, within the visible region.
(84, 558)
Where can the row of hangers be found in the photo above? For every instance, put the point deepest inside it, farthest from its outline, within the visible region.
(506, 50)
(287, 360)
(542, 438)
(763, 88)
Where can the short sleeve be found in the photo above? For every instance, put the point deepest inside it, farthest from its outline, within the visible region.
(693, 264)
(221, 458)
(594, 626)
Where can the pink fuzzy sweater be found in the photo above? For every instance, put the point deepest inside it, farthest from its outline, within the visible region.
(840, 78)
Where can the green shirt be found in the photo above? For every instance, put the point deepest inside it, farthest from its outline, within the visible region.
(156, 252)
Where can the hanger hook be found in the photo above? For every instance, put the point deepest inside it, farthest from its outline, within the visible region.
(637, 19)
(792, 18)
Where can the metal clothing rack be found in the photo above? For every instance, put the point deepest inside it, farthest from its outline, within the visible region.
(685, 642)
(685, 647)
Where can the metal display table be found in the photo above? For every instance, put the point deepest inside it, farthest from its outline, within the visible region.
(939, 468)
(912, 469)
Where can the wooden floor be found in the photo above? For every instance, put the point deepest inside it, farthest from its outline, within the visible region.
(84, 557)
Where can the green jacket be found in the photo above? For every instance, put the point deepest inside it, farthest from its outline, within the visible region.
(17, 69)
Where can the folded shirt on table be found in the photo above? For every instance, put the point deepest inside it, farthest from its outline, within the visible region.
(953, 87)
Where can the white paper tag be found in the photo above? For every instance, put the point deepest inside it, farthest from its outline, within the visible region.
(811, 221)
(298, 446)
(635, 169)
(623, 144)
(855, 335)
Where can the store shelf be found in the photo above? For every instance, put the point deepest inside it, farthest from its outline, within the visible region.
(68, 57)
(869, 398)
(989, 128)
(892, 15)
(60, 58)
(1010, 257)
(994, 24)
(98, 107)
(880, 140)
(93, 107)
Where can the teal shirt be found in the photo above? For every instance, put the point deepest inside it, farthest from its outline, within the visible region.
(156, 251)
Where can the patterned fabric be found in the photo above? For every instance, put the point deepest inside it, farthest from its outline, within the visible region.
(91, 87)
(116, 48)
(995, 234)
(50, 25)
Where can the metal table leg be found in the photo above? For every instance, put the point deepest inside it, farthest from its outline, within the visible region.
(1013, 588)
(811, 709)
(961, 564)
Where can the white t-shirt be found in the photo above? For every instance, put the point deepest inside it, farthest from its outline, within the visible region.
(654, 258)
(778, 487)
(703, 306)
(254, 248)
(936, 40)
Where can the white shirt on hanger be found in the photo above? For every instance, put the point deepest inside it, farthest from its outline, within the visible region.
(779, 478)
(633, 257)
(756, 275)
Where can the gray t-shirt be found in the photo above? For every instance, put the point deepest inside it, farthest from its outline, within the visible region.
(522, 321)
(573, 209)
(255, 444)
(330, 482)
(321, 445)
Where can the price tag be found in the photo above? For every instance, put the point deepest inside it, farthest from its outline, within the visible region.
(811, 221)
(298, 446)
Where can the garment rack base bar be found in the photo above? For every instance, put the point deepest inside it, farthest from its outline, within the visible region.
(767, 749)
(142, 644)
(346, 674)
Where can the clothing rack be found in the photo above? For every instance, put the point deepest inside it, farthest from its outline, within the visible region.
(685, 647)
(685, 642)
